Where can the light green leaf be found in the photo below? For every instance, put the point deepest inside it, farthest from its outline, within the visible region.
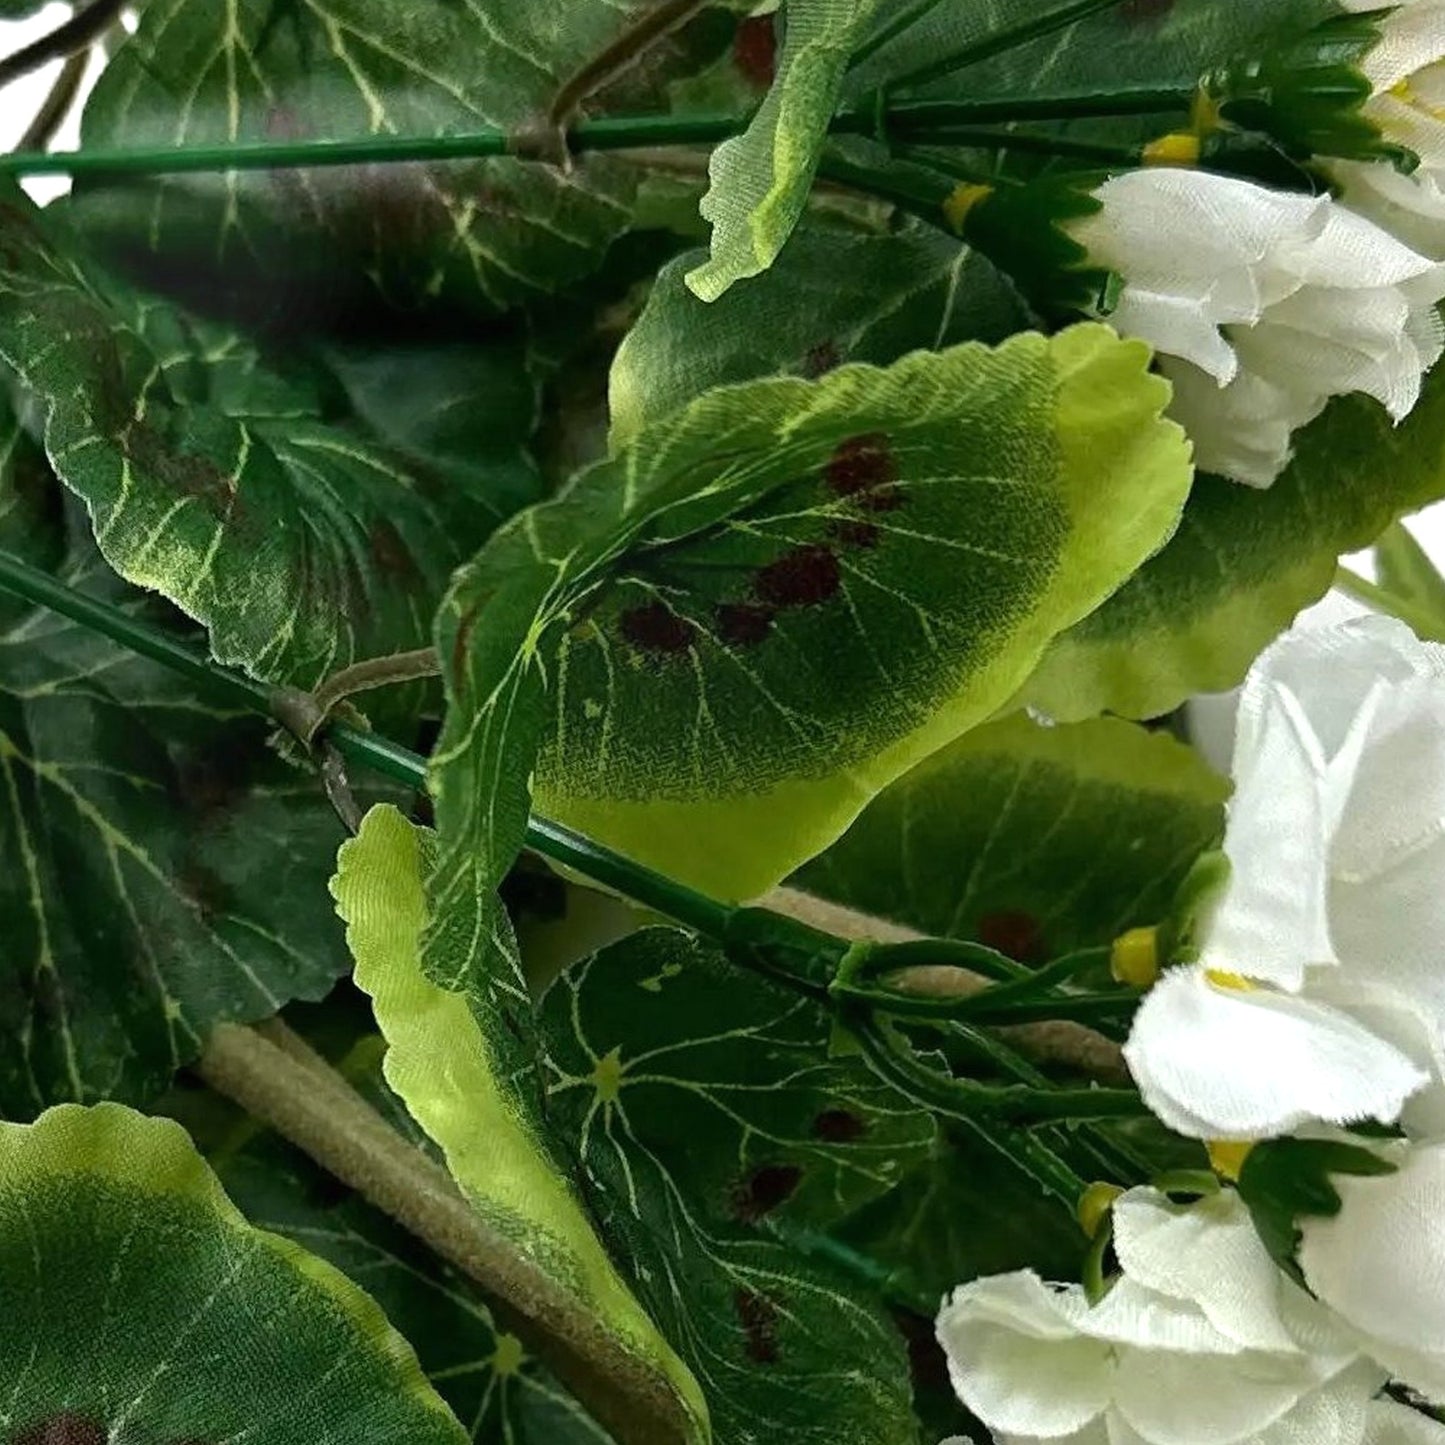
(1035, 840)
(131, 1288)
(303, 545)
(777, 600)
(494, 1385)
(462, 1056)
(760, 180)
(711, 1121)
(1245, 562)
(484, 235)
(1405, 571)
(831, 296)
(158, 867)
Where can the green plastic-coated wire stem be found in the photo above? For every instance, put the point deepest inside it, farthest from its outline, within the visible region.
(603, 866)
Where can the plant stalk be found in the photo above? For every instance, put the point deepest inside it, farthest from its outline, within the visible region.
(910, 120)
(76, 34)
(281, 1083)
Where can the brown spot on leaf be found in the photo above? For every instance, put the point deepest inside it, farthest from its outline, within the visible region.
(860, 464)
(854, 534)
(758, 1316)
(206, 889)
(462, 641)
(67, 1428)
(838, 1126)
(802, 577)
(1013, 933)
(755, 50)
(657, 628)
(881, 499)
(764, 1190)
(392, 556)
(743, 624)
(822, 359)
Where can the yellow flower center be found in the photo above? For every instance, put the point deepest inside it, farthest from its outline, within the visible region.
(1181, 148)
(1236, 981)
(962, 200)
(1227, 1156)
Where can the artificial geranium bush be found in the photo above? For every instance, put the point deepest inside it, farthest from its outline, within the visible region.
(599, 834)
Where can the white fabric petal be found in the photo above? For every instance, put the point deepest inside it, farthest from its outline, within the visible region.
(1132, 1316)
(1016, 1362)
(1208, 1254)
(1393, 1424)
(1206, 1400)
(1257, 1064)
(1262, 305)
(1273, 920)
(1380, 1263)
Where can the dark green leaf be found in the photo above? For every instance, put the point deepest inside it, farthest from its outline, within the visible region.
(139, 1305)
(160, 869)
(1284, 1180)
(484, 235)
(832, 296)
(304, 546)
(1035, 840)
(1244, 562)
(704, 1108)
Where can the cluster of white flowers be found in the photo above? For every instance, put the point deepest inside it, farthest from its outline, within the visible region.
(1263, 305)
(1318, 1002)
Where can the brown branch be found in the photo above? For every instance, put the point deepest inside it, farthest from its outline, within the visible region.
(56, 106)
(80, 32)
(619, 57)
(279, 1080)
(1062, 1042)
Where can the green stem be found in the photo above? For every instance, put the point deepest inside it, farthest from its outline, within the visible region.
(607, 133)
(1000, 42)
(1037, 143)
(891, 31)
(603, 866)
(1391, 604)
(883, 958)
(968, 1100)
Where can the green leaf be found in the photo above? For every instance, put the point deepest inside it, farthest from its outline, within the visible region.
(1035, 840)
(711, 1122)
(304, 546)
(1284, 1180)
(132, 1289)
(1243, 563)
(462, 1056)
(493, 1384)
(484, 235)
(158, 868)
(1406, 571)
(831, 296)
(760, 180)
(776, 600)
(965, 1213)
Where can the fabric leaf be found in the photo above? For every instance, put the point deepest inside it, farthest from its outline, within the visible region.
(760, 180)
(132, 1289)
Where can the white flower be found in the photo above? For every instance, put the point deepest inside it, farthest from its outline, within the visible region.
(1379, 1264)
(1407, 72)
(1262, 305)
(1201, 1341)
(1320, 994)
(1392, 1424)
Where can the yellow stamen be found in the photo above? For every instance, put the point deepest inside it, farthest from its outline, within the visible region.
(1227, 1156)
(1236, 981)
(962, 200)
(1182, 148)
(1134, 958)
(1094, 1203)
(1204, 113)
